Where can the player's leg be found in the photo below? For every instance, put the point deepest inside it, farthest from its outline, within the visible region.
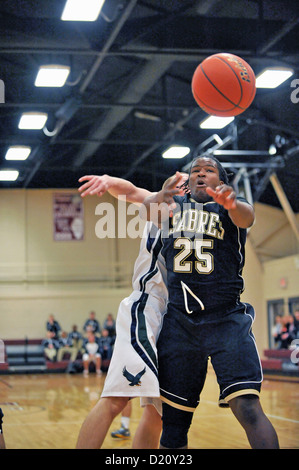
(260, 432)
(176, 424)
(148, 433)
(124, 431)
(237, 365)
(182, 372)
(98, 363)
(86, 361)
(2, 442)
(98, 421)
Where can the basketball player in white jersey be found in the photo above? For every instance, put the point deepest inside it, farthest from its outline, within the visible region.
(133, 368)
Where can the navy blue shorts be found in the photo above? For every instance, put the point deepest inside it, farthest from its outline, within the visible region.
(186, 343)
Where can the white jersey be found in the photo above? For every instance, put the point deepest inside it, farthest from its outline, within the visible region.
(133, 371)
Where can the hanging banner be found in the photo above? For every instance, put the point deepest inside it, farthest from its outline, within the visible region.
(68, 217)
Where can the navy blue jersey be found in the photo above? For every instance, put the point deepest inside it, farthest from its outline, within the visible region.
(204, 254)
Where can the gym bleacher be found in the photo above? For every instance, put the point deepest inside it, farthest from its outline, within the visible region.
(26, 356)
(278, 363)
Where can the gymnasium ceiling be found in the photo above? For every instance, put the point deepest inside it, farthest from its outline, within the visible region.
(128, 96)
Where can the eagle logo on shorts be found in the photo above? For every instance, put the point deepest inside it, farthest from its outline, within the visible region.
(133, 379)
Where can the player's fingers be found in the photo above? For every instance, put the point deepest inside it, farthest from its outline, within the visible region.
(85, 177)
(91, 188)
(173, 181)
(232, 195)
(95, 187)
(84, 186)
(99, 189)
(211, 192)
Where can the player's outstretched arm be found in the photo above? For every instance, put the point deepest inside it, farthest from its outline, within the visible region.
(117, 187)
(241, 213)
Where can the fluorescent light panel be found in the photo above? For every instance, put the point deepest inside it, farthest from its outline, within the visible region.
(33, 120)
(149, 117)
(52, 75)
(8, 175)
(18, 152)
(215, 122)
(273, 77)
(82, 10)
(176, 151)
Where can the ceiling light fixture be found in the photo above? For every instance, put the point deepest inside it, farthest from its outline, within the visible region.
(8, 175)
(176, 151)
(273, 77)
(33, 120)
(52, 75)
(215, 122)
(149, 117)
(82, 10)
(17, 152)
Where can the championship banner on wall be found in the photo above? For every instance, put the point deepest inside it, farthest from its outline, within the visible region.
(68, 217)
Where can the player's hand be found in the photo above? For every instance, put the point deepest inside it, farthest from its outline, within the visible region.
(98, 185)
(224, 195)
(170, 189)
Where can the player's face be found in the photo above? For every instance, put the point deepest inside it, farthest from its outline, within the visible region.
(204, 173)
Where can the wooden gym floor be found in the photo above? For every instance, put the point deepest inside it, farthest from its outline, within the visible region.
(46, 412)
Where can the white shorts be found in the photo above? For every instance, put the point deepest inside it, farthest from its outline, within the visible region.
(91, 357)
(133, 370)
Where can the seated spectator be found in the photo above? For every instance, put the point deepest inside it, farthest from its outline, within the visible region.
(92, 325)
(109, 324)
(276, 330)
(53, 325)
(287, 334)
(106, 345)
(65, 347)
(75, 338)
(51, 346)
(296, 323)
(91, 354)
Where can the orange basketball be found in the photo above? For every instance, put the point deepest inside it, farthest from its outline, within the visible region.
(223, 85)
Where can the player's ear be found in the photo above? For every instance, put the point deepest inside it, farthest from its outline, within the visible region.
(221, 183)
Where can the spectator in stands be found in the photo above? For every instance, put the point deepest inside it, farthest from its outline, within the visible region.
(50, 345)
(296, 323)
(53, 325)
(75, 338)
(276, 330)
(106, 344)
(287, 334)
(65, 347)
(91, 354)
(109, 324)
(92, 325)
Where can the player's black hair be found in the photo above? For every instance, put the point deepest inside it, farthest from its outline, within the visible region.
(222, 172)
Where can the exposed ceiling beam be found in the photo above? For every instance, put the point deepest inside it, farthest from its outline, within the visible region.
(121, 21)
(286, 28)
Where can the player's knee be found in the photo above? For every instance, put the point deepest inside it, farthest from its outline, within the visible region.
(176, 424)
(117, 404)
(247, 409)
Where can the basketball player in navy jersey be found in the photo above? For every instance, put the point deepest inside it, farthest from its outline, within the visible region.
(133, 370)
(203, 245)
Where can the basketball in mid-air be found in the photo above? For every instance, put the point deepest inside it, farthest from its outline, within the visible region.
(223, 85)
